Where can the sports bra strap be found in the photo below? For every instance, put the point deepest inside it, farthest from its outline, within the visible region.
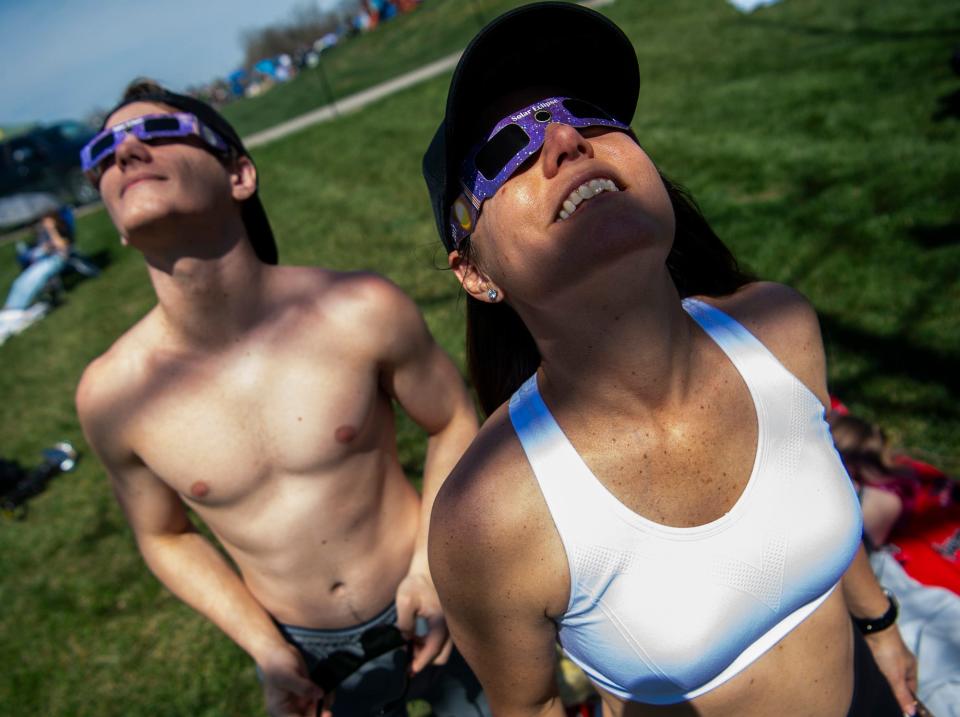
(563, 476)
(759, 368)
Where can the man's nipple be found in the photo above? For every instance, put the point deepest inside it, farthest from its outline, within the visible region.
(345, 434)
(199, 489)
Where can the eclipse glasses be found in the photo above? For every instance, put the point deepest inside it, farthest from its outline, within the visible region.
(513, 140)
(95, 156)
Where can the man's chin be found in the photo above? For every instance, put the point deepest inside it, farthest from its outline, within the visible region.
(145, 218)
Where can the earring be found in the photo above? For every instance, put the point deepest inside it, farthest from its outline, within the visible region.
(492, 294)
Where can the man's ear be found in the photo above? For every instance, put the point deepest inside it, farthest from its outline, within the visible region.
(243, 178)
(474, 280)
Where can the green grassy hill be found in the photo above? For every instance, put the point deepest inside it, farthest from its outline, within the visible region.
(436, 29)
(813, 134)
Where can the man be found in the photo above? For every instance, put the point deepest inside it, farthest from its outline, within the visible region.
(260, 397)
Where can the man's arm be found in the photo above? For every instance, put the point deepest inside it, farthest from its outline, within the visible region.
(187, 563)
(426, 384)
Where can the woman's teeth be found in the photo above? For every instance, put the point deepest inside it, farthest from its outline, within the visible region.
(587, 190)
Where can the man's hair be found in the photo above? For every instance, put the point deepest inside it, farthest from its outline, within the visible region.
(141, 87)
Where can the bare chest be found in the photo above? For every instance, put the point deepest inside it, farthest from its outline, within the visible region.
(218, 433)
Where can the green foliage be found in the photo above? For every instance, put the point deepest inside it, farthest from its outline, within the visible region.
(807, 131)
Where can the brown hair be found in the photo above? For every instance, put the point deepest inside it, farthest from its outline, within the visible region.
(501, 353)
(141, 87)
(863, 447)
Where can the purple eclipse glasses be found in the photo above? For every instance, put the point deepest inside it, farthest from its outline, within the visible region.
(515, 139)
(94, 156)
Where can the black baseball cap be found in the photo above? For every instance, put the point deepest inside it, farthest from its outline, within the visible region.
(568, 49)
(251, 210)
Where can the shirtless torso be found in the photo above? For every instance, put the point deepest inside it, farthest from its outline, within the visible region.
(261, 398)
(282, 443)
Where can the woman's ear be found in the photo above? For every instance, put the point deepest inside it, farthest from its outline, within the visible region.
(243, 178)
(473, 279)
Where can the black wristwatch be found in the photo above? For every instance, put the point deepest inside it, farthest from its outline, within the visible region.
(870, 625)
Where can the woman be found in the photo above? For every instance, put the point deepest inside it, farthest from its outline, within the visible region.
(660, 494)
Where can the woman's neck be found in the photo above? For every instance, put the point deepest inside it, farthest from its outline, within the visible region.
(626, 347)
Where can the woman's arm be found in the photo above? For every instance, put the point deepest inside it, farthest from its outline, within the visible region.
(787, 325)
(881, 511)
(866, 599)
(500, 571)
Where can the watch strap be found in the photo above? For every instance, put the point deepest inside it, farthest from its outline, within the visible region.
(870, 625)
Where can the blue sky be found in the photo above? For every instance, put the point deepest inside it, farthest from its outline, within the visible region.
(60, 59)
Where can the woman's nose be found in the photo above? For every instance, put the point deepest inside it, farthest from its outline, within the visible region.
(563, 143)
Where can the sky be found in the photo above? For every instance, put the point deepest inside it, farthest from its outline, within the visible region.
(61, 59)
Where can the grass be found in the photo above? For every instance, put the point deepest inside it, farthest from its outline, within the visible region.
(807, 131)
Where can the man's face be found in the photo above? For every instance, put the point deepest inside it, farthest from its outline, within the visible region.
(151, 183)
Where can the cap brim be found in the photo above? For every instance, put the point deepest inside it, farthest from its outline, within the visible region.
(562, 47)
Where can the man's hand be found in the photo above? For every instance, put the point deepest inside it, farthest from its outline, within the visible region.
(897, 664)
(417, 598)
(287, 688)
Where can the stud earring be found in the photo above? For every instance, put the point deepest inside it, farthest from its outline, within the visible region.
(492, 294)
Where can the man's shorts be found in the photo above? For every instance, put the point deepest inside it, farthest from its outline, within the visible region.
(369, 664)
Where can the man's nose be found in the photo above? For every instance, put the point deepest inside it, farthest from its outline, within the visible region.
(131, 149)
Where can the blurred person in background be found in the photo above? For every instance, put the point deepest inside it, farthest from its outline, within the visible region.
(909, 505)
(261, 397)
(46, 259)
(655, 486)
(911, 522)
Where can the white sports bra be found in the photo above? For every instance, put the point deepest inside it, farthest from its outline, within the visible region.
(661, 614)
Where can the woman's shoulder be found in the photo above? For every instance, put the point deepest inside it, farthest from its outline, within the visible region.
(491, 532)
(487, 491)
(769, 310)
(491, 497)
(786, 323)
